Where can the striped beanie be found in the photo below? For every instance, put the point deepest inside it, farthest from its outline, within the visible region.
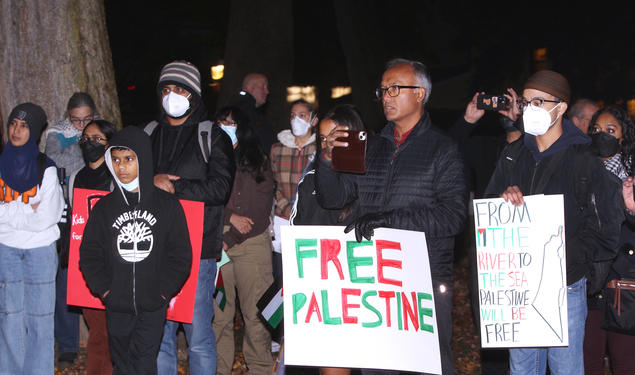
(181, 73)
(550, 82)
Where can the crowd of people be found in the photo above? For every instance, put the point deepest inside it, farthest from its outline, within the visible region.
(418, 177)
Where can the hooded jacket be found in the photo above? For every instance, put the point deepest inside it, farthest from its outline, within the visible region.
(141, 251)
(288, 162)
(176, 151)
(591, 234)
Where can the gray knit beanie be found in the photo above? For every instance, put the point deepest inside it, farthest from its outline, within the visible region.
(181, 73)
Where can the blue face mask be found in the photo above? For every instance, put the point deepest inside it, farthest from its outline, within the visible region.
(132, 185)
(231, 132)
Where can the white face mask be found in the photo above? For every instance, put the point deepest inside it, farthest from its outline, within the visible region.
(175, 105)
(231, 132)
(131, 186)
(536, 120)
(299, 127)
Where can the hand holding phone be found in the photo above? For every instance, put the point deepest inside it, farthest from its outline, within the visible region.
(352, 158)
(492, 102)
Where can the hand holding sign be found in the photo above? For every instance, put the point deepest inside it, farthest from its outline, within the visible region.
(365, 226)
(513, 195)
(521, 270)
(359, 304)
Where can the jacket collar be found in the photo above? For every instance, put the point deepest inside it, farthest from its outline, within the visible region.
(287, 139)
(420, 127)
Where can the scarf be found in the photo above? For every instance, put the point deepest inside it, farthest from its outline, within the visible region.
(614, 165)
(19, 167)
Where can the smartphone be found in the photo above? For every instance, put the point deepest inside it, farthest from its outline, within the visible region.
(492, 102)
(351, 159)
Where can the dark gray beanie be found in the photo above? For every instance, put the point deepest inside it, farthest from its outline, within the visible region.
(33, 115)
(182, 73)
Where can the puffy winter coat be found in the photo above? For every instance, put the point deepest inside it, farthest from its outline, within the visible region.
(419, 185)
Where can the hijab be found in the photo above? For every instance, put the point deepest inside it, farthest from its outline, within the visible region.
(19, 164)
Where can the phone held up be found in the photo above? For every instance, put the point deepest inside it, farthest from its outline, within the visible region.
(351, 159)
(492, 102)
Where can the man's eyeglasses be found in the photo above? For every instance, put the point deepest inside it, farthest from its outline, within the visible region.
(535, 102)
(392, 90)
(81, 121)
(96, 138)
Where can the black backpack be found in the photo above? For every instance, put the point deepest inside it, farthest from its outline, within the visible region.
(64, 241)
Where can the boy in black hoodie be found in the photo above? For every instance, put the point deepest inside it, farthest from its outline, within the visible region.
(135, 254)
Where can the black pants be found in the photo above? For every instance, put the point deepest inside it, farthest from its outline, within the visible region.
(135, 341)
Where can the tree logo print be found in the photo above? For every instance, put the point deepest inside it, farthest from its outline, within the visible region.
(134, 241)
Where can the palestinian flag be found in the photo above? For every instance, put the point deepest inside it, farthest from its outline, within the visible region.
(270, 307)
(219, 294)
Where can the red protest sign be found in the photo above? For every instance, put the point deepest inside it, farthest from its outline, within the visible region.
(181, 306)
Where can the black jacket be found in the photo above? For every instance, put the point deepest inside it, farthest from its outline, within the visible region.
(307, 211)
(592, 233)
(177, 151)
(419, 186)
(141, 252)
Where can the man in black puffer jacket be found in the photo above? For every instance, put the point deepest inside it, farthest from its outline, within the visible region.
(414, 180)
(195, 161)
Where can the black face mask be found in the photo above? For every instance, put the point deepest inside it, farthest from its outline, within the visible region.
(92, 151)
(604, 144)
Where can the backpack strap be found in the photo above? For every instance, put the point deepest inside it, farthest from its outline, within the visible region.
(204, 135)
(71, 184)
(205, 138)
(582, 175)
(149, 128)
(41, 166)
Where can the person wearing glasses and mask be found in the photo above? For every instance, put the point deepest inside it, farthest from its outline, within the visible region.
(414, 180)
(194, 161)
(553, 157)
(61, 145)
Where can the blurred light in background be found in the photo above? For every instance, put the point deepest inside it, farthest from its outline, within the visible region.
(338, 92)
(301, 92)
(217, 72)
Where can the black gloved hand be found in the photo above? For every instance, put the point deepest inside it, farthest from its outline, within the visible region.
(365, 225)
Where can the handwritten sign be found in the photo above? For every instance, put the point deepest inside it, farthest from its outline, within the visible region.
(520, 254)
(366, 305)
(181, 306)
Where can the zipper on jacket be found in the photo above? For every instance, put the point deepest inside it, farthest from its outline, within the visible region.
(533, 176)
(595, 209)
(134, 276)
(389, 177)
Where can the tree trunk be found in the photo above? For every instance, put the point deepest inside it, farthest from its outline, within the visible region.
(260, 39)
(50, 49)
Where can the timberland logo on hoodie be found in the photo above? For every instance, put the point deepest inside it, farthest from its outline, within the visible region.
(135, 238)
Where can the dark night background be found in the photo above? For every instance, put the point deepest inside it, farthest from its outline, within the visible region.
(468, 46)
